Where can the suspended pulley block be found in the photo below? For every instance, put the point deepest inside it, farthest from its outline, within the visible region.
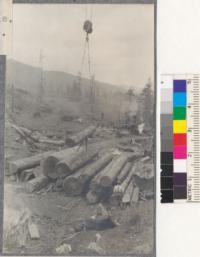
(87, 26)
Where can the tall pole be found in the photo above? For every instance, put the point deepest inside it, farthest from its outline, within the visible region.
(41, 86)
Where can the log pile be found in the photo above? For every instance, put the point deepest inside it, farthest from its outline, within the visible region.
(79, 170)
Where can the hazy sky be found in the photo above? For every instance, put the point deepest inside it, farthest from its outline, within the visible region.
(122, 42)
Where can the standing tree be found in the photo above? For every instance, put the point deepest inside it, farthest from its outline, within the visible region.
(148, 103)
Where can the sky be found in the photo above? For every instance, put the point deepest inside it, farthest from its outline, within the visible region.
(121, 45)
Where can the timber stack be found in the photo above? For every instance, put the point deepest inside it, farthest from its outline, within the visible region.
(81, 170)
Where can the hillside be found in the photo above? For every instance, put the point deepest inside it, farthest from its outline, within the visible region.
(28, 78)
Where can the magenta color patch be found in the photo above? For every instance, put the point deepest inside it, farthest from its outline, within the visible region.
(180, 152)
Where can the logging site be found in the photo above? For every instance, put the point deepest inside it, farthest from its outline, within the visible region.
(79, 133)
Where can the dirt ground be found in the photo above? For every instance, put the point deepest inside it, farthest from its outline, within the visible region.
(55, 213)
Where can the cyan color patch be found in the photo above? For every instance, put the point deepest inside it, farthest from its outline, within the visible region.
(179, 99)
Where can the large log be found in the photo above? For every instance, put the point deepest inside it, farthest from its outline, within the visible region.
(128, 194)
(68, 166)
(96, 167)
(79, 137)
(48, 164)
(109, 177)
(27, 163)
(36, 184)
(135, 196)
(128, 179)
(74, 185)
(95, 185)
(123, 174)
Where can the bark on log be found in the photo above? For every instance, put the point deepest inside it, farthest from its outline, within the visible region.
(48, 165)
(95, 183)
(95, 168)
(124, 173)
(109, 177)
(135, 196)
(128, 194)
(127, 180)
(79, 137)
(27, 163)
(74, 185)
(68, 166)
(36, 184)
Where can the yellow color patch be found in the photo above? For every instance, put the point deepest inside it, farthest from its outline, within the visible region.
(179, 126)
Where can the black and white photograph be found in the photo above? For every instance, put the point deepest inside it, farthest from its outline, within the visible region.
(79, 174)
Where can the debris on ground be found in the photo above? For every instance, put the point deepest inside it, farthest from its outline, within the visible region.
(64, 249)
(95, 249)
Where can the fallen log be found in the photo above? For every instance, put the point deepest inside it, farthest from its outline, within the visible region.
(53, 142)
(68, 166)
(37, 184)
(126, 148)
(79, 137)
(96, 167)
(126, 199)
(135, 196)
(127, 180)
(48, 165)
(126, 169)
(27, 163)
(74, 185)
(95, 185)
(109, 177)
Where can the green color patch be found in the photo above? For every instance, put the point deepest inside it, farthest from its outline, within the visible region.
(179, 113)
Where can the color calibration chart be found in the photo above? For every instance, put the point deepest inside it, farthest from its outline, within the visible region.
(180, 138)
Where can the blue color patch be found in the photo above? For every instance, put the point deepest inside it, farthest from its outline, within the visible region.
(179, 99)
(179, 85)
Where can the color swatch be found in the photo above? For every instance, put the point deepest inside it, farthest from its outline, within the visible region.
(173, 139)
(179, 146)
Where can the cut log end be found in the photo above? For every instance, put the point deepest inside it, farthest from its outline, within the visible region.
(105, 181)
(48, 167)
(72, 186)
(62, 170)
(92, 198)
